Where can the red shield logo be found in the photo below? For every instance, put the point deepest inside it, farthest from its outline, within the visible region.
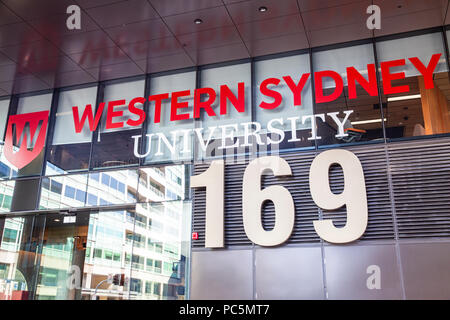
(25, 155)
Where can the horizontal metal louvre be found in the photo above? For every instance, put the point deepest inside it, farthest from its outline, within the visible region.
(421, 182)
(373, 159)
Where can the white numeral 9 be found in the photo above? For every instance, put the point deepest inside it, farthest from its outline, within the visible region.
(353, 196)
(253, 199)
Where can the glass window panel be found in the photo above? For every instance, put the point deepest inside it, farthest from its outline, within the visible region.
(6, 195)
(105, 178)
(422, 47)
(294, 67)
(95, 176)
(80, 195)
(25, 105)
(122, 91)
(339, 60)
(364, 121)
(108, 195)
(64, 124)
(20, 244)
(78, 255)
(59, 256)
(97, 253)
(157, 184)
(70, 150)
(136, 286)
(4, 107)
(56, 187)
(63, 191)
(114, 147)
(148, 287)
(231, 76)
(157, 289)
(214, 78)
(112, 252)
(113, 184)
(163, 258)
(108, 255)
(34, 103)
(169, 84)
(92, 200)
(70, 192)
(18, 195)
(417, 111)
(7, 170)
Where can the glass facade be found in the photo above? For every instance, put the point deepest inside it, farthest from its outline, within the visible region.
(86, 211)
(425, 113)
(146, 244)
(364, 123)
(69, 151)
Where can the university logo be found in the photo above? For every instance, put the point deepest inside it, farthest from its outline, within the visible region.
(25, 135)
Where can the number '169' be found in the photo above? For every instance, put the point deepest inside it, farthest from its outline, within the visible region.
(253, 197)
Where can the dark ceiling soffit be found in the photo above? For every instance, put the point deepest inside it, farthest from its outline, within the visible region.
(245, 60)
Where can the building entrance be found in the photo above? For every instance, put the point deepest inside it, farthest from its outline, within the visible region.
(67, 256)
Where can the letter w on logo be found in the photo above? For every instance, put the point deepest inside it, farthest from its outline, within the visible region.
(23, 155)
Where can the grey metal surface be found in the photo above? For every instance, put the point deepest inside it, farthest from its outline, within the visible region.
(419, 178)
(222, 274)
(415, 187)
(421, 182)
(346, 271)
(426, 269)
(289, 273)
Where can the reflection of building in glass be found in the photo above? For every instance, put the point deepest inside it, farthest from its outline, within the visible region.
(144, 243)
(11, 278)
(6, 187)
(6, 193)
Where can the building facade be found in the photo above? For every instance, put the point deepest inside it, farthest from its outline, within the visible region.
(94, 187)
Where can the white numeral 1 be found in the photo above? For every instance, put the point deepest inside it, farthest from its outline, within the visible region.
(213, 180)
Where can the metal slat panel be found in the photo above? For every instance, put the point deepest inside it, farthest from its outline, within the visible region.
(421, 184)
(373, 159)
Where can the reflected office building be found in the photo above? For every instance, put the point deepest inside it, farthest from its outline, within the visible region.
(70, 255)
(127, 150)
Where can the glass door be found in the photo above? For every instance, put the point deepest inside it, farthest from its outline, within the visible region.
(86, 256)
(107, 264)
(62, 256)
(20, 244)
(136, 252)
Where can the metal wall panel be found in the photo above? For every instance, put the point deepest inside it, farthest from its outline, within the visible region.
(222, 274)
(426, 270)
(408, 192)
(346, 271)
(289, 273)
